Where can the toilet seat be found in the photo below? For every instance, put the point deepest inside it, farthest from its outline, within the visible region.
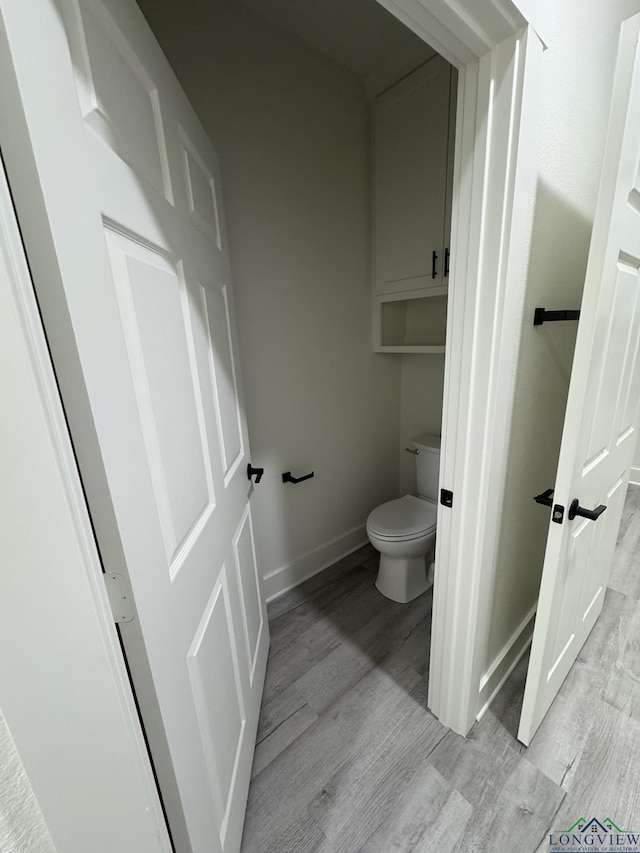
(403, 519)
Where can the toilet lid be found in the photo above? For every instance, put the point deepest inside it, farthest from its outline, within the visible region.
(404, 518)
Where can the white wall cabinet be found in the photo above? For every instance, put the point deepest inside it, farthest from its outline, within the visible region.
(413, 166)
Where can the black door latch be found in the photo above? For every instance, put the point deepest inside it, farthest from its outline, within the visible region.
(546, 499)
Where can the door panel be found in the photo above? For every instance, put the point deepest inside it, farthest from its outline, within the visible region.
(247, 571)
(613, 381)
(137, 223)
(602, 416)
(106, 65)
(213, 661)
(152, 298)
(201, 190)
(215, 308)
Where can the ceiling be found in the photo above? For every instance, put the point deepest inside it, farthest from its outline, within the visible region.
(358, 34)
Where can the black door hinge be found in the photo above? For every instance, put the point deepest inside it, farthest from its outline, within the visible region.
(446, 498)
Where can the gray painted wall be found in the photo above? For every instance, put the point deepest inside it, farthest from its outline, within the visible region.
(292, 129)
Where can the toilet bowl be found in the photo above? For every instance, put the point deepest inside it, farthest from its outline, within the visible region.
(404, 532)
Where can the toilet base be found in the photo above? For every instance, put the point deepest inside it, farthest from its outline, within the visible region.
(403, 578)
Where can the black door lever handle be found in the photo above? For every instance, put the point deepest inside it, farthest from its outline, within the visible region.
(591, 514)
(257, 472)
(544, 498)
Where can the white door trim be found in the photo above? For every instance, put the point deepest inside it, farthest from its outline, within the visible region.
(498, 60)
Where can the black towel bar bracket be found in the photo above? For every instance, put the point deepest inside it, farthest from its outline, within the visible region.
(541, 315)
(288, 477)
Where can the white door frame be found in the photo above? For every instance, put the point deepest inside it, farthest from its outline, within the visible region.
(498, 59)
(497, 56)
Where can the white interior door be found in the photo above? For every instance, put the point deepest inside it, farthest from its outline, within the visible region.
(601, 422)
(132, 194)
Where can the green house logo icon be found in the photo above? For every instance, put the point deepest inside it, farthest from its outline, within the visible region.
(594, 835)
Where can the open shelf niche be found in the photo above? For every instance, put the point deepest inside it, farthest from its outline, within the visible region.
(411, 322)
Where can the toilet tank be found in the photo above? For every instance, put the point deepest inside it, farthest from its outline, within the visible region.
(427, 464)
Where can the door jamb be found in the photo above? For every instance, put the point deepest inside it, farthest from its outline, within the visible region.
(497, 55)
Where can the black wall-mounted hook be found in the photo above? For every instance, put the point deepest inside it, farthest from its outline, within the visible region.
(257, 472)
(541, 315)
(287, 477)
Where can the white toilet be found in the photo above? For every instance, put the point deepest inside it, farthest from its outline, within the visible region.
(404, 530)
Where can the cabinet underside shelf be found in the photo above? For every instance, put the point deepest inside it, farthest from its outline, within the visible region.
(433, 350)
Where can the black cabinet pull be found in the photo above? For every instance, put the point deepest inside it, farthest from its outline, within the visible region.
(591, 514)
(288, 477)
(434, 258)
(446, 263)
(257, 472)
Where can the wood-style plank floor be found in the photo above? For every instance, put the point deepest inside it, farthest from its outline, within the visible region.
(349, 759)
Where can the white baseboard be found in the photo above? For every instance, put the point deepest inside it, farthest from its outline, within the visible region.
(634, 477)
(505, 662)
(281, 580)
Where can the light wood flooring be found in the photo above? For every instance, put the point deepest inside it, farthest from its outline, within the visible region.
(349, 759)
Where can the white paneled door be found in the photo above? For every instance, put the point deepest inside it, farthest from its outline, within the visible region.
(131, 188)
(602, 417)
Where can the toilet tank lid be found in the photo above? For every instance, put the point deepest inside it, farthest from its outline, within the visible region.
(426, 442)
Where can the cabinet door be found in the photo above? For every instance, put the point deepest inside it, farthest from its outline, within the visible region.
(410, 155)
